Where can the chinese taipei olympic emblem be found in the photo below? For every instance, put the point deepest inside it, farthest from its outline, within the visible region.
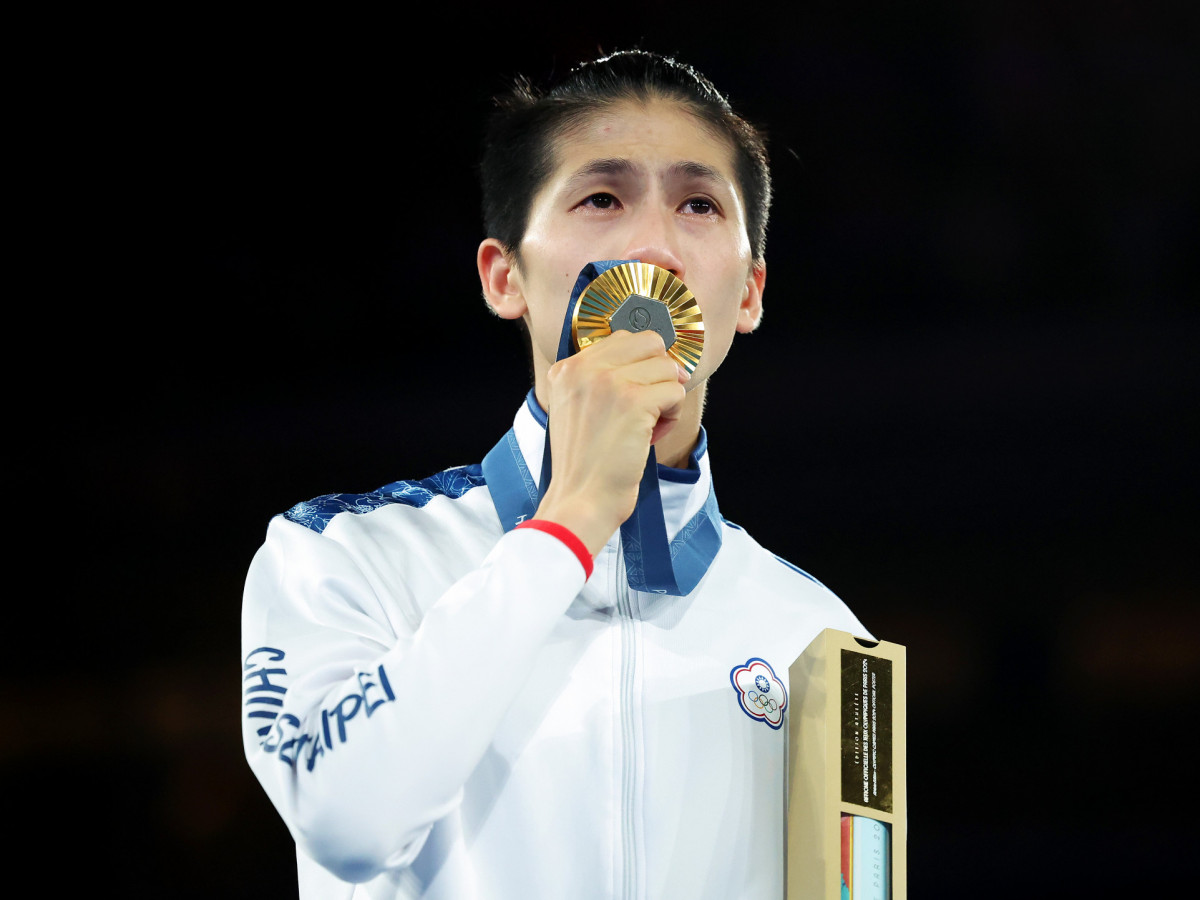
(761, 695)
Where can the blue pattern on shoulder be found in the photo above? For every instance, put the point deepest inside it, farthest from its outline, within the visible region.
(794, 568)
(800, 570)
(317, 513)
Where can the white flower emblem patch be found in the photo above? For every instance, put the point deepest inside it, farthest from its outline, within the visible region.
(761, 695)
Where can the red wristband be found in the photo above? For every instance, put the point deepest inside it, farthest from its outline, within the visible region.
(567, 536)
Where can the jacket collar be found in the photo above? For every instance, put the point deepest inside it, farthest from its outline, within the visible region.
(689, 505)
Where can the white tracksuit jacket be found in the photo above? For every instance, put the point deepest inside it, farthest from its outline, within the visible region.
(439, 708)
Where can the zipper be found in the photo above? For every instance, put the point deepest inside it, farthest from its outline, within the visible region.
(631, 738)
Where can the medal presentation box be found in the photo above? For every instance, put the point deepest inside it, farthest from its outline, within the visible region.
(847, 796)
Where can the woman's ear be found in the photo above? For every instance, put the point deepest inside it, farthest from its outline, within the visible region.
(750, 311)
(500, 279)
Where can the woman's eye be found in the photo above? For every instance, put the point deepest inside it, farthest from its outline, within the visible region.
(600, 201)
(699, 206)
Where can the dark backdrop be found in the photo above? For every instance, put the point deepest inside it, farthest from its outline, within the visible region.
(971, 409)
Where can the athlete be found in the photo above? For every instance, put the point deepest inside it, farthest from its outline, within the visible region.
(461, 687)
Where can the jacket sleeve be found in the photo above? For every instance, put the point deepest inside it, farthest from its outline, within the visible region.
(344, 721)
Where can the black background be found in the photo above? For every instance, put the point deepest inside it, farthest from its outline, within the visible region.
(971, 409)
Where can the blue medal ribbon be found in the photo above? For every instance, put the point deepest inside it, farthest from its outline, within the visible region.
(652, 563)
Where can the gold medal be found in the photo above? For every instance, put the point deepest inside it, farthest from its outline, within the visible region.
(638, 296)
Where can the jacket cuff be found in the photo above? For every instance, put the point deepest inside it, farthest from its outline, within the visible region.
(568, 537)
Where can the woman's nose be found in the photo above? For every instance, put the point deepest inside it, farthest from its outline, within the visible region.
(652, 242)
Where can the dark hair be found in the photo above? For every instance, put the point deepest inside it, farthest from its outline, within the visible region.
(518, 152)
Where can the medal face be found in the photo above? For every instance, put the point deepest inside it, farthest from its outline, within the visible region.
(638, 296)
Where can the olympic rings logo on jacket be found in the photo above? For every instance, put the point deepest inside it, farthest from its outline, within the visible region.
(761, 694)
